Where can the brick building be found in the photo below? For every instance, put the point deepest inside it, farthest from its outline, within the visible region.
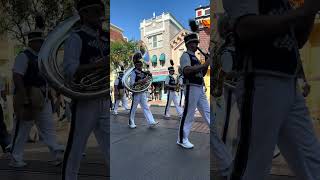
(116, 34)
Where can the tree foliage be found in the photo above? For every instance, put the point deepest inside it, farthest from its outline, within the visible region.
(121, 54)
(18, 16)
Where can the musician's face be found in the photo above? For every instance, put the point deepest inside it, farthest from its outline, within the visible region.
(138, 66)
(36, 45)
(94, 16)
(192, 46)
(171, 72)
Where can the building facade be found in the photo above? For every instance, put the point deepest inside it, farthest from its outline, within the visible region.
(157, 33)
(116, 34)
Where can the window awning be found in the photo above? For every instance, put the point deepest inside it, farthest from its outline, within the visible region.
(154, 59)
(162, 57)
(159, 78)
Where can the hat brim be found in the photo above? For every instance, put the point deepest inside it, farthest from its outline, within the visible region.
(89, 6)
(138, 61)
(35, 39)
(192, 40)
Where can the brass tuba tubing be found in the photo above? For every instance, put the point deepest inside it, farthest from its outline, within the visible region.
(93, 85)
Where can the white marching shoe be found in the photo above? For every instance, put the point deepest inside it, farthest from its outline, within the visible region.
(17, 164)
(185, 144)
(132, 126)
(153, 124)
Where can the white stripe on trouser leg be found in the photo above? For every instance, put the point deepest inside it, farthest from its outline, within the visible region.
(89, 116)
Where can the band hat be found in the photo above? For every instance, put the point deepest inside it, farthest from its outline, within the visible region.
(89, 6)
(138, 61)
(85, 4)
(193, 37)
(171, 68)
(35, 35)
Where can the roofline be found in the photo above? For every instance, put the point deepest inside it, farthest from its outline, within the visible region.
(202, 17)
(112, 25)
(173, 19)
(202, 7)
(186, 30)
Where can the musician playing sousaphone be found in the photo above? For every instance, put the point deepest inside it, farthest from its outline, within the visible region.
(139, 78)
(87, 50)
(31, 102)
(119, 93)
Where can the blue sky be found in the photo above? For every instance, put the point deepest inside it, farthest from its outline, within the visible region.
(127, 14)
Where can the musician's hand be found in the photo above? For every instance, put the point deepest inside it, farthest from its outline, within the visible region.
(306, 89)
(101, 64)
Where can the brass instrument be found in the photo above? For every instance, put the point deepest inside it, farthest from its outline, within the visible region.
(217, 76)
(140, 86)
(90, 85)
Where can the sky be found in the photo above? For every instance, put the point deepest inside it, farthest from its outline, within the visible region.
(127, 14)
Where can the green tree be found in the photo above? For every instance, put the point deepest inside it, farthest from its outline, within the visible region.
(18, 16)
(121, 54)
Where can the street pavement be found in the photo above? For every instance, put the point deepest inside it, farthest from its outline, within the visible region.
(152, 154)
(37, 157)
(136, 154)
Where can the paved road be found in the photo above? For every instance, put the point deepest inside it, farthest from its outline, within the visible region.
(139, 154)
(37, 156)
(152, 154)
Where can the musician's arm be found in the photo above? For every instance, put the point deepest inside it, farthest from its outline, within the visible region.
(19, 69)
(251, 28)
(188, 69)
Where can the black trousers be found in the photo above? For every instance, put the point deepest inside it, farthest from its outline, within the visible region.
(4, 136)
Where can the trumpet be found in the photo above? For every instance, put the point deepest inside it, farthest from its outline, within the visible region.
(206, 55)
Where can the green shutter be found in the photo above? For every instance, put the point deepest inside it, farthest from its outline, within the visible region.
(162, 57)
(154, 59)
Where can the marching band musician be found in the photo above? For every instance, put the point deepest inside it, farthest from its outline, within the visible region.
(272, 107)
(139, 77)
(195, 97)
(119, 93)
(86, 50)
(171, 86)
(31, 103)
